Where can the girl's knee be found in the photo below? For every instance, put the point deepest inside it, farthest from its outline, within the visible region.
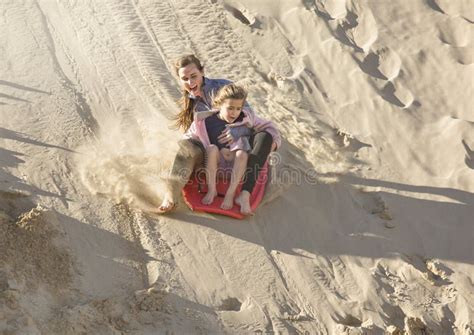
(212, 149)
(241, 155)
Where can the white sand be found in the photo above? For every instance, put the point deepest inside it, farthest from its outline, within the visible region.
(367, 228)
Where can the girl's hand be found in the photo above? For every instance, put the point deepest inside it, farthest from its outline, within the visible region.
(258, 128)
(274, 146)
(233, 133)
(225, 137)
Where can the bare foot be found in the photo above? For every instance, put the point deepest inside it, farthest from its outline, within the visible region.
(209, 197)
(228, 202)
(167, 206)
(243, 200)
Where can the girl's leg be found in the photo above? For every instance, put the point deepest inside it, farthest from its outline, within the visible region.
(240, 162)
(261, 143)
(189, 156)
(211, 170)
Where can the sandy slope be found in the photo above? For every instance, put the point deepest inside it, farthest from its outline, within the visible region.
(367, 227)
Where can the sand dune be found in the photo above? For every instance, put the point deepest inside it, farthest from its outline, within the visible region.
(367, 224)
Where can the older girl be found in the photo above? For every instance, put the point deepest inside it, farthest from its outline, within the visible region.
(197, 97)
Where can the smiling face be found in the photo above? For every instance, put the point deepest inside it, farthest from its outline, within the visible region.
(230, 109)
(191, 79)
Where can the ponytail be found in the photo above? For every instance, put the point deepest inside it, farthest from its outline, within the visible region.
(184, 118)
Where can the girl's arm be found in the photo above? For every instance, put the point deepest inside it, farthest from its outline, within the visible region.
(238, 132)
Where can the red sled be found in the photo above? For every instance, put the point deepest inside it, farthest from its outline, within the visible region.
(196, 189)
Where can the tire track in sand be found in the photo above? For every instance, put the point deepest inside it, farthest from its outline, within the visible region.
(144, 48)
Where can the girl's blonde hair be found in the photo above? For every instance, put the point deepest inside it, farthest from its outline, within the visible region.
(184, 118)
(229, 91)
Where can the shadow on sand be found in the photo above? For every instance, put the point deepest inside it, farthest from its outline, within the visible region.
(318, 214)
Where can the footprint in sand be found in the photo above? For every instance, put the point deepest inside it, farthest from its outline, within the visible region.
(397, 94)
(360, 28)
(456, 32)
(383, 63)
(464, 55)
(230, 304)
(331, 9)
(244, 16)
(389, 63)
(461, 8)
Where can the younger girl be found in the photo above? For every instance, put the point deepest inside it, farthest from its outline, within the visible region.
(207, 127)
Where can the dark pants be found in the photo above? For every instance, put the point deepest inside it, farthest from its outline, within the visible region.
(261, 144)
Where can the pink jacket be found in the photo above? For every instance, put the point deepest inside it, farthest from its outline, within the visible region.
(198, 128)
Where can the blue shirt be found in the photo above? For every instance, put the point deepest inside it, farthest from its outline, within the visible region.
(215, 126)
